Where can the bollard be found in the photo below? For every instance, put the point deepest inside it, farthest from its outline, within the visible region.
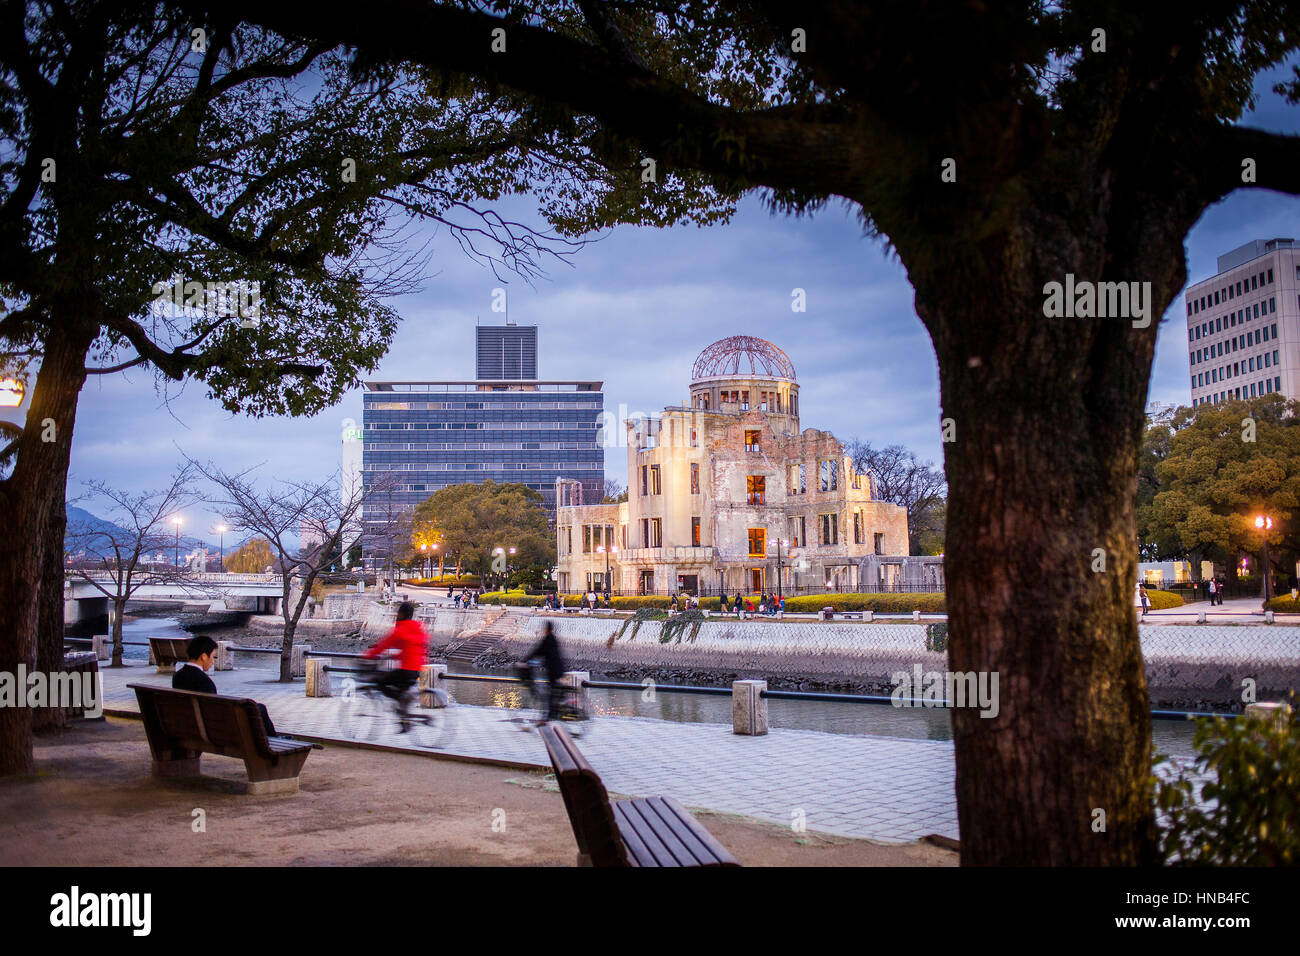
(1278, 712)
(576, 679)
(298, 660)
(916, 615)
(318, 678)
(101, 645)
(748, 708)
(1268, 617)
(780, 614)
(432, 693)
(224, 659)
(868, 616)
(1200, 617)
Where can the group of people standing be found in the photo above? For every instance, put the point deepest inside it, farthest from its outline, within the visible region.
(768, 604)
(466, 597)
(1214, 587)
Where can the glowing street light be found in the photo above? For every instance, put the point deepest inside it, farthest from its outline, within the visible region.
(11, 392)
(1265, 524)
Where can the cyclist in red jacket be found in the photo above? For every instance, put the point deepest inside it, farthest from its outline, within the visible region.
(411, 641)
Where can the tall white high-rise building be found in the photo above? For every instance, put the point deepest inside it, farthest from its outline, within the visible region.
(1243, 325)
(352, 481)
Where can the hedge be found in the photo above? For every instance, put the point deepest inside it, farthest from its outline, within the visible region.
(807, 603)
(927, 602)
(1283, 605)
(445, 580)
(1163, 600)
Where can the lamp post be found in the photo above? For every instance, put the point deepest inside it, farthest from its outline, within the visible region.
(612, 549)
(221, 530)
(176, 558)
(1265, 524)
(425, 548)
(780, 543)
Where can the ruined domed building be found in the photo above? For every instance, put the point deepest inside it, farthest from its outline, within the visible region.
(725, 491)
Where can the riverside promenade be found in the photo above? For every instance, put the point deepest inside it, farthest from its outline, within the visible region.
(884, 789)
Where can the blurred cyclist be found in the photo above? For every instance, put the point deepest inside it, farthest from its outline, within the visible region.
(548, 651)
(411, 641)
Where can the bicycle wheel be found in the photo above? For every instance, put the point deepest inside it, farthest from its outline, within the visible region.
(574, 716)
(432, 728)
(366, 714)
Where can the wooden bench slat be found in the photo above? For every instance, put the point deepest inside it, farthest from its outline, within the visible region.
(678, 821)
(704, 844)
(658, 844)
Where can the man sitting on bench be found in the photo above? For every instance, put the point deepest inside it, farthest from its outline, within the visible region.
(193, 675)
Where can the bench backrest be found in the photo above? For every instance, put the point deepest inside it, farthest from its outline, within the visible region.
(169, 650)
(585, 799)
(230, 726)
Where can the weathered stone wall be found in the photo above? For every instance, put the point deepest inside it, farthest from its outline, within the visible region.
(1188, 668)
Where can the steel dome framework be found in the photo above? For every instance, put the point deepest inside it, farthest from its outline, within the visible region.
(741, 356)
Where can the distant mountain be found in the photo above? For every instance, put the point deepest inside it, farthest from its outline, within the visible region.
(79, 519)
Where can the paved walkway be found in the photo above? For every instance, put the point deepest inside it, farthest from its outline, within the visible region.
(1234, 611)
(880, 788)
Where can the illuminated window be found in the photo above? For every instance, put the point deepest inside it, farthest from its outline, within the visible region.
(751, 441)
(756, 489)
(655, 487)
(757, 542)
(695, 532)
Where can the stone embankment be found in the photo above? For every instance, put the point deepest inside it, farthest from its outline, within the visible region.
(1191, 667)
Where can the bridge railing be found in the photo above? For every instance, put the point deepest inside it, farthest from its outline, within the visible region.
(205, 577)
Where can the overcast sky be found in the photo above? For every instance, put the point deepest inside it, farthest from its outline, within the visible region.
(634, 311)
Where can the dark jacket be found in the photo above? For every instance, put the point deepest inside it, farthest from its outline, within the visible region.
(191, 677)
(548, 649)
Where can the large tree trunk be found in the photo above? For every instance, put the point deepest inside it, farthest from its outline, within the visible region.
(119, 608)
(32, 497)
(49, 633)
(1047, 418)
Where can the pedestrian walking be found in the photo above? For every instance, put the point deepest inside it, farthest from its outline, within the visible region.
(1146, 599)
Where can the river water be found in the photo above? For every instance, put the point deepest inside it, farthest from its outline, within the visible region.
(1173, 737)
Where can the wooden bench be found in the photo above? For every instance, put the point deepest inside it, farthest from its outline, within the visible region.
(647, 831)
(183, 724)
(167, 652)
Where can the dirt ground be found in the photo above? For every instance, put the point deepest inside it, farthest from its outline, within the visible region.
(93, 802)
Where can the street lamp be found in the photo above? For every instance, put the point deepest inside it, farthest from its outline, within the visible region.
(612, 549)
(177, 557)
(221, 530)
(1265, 524)
(425, 547)
(780, 543)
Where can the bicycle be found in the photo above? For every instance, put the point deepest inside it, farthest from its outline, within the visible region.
(368, 714)
(571, 707)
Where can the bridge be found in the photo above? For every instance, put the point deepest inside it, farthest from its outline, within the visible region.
(257, 593)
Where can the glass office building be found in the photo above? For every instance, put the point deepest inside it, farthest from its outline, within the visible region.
(432, 434)
(506, 352)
